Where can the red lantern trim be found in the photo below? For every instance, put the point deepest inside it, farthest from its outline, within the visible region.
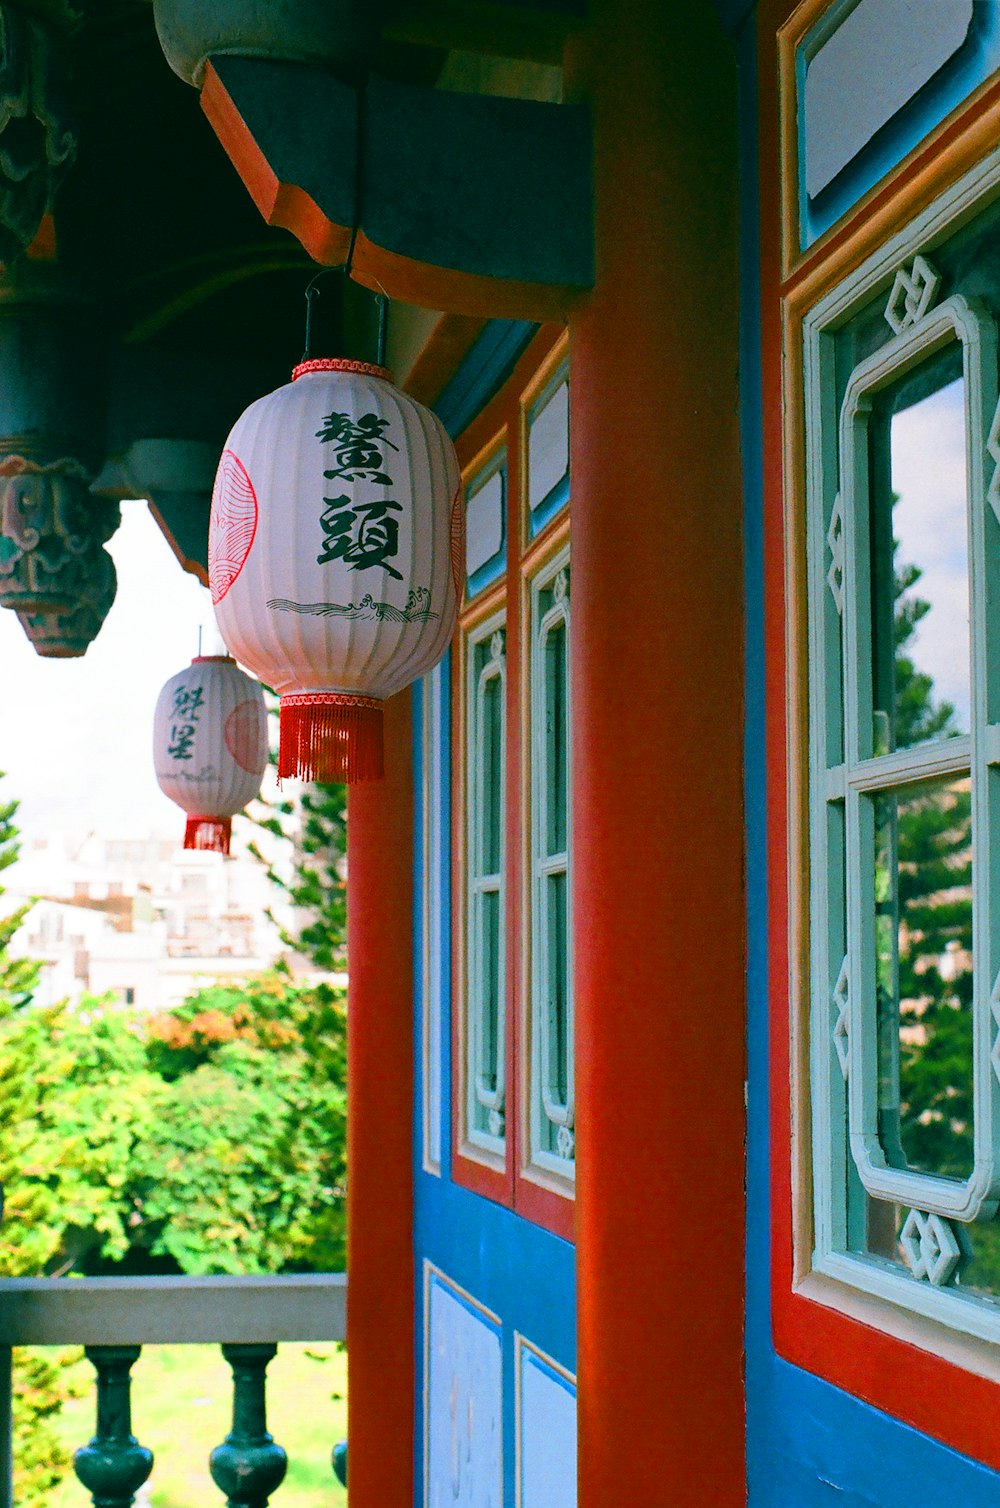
(338, 364)
(213, 660)
(211, 834)
(329, 736)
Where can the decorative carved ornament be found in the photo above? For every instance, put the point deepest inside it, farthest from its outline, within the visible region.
(52, 530)
(69, 633)
(37, 132)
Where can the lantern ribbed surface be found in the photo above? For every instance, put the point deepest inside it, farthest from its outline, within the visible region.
(335, 552)
(210, 746)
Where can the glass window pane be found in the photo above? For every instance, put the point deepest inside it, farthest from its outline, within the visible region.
(556, 677)
(490, 901)
(921, 661)
(484, 522)
(492, 758)
(557, 913)
(923, 975)
(548, 446)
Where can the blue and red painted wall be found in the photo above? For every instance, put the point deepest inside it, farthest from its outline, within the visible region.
(681, 826)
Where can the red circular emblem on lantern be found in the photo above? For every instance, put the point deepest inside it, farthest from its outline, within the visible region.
(245, 737)
(458, 542)
(233, 524)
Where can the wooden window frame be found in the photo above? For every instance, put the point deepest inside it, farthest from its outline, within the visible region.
(864, 773)
(935, 1378)
(861, 1341)
(541, 1195)
(486, 632)
(540, 1166)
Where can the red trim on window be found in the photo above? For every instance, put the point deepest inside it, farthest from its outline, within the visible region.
(935, 1396)
(544, 1206)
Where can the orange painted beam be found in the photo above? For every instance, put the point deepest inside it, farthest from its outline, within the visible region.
(657, 682)
(380, 1309)
(473, 204)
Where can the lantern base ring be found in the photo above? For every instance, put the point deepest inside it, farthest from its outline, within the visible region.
(330, 736)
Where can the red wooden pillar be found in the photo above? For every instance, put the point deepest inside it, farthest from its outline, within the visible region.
(658, 822)
(380, 1319)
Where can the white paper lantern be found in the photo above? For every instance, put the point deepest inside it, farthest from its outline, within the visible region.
(335, 553)
(210, 746)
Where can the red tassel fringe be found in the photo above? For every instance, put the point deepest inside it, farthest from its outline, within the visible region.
(328, 736)
(209, 833)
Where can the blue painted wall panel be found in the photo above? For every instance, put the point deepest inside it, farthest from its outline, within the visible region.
(809, 1444)
(522, 1273)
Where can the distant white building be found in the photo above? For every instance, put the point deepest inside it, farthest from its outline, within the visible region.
(141, 918)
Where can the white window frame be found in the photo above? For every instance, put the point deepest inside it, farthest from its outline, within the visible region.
(836, 991)
(480, 1096)
(864, 775)
(543, 1106)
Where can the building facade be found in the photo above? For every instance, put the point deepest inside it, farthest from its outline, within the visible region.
(673, 935)
(141, 919)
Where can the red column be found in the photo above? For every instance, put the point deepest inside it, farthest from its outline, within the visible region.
(658, 823)
(380, 1318)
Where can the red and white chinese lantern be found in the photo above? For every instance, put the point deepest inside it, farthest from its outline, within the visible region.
(210, 746)
(335, 557)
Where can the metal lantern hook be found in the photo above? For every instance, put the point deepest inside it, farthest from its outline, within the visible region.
(312, 293)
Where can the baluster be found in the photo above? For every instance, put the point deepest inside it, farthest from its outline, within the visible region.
(114, 1465)
(248, 1466)
(340, 1462)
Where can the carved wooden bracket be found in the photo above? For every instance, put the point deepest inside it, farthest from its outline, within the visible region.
(469, 203)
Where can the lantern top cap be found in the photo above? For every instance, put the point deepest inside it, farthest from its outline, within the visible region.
(341, 364)
(213, 660)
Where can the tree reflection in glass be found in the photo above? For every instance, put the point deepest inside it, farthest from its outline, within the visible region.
(921, 660)
(923, 963)
(922, 827)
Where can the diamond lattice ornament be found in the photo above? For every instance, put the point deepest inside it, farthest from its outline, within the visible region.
(930, 1247)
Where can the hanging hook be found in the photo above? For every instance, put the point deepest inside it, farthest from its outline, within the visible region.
(312, 292)
(383, 316)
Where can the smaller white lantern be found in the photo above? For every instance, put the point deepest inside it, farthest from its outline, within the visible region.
(210, 746)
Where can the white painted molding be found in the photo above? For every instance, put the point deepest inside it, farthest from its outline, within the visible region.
(171, 1311)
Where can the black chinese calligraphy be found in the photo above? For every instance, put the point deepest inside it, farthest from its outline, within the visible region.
(360, 534)
(357, 447)
(186, 711)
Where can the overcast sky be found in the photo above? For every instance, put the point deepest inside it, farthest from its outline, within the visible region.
(931, 523)
(76, 735)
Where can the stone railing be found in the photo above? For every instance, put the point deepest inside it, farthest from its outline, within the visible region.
(113, 1318)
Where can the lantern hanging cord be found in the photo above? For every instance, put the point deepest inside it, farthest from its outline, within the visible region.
(312, 292)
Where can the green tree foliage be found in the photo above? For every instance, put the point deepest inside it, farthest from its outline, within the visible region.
(77, 1102)
(41, 1462)
(18, 976)
(244, 1169)
(208, 1139)
(314, 829)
